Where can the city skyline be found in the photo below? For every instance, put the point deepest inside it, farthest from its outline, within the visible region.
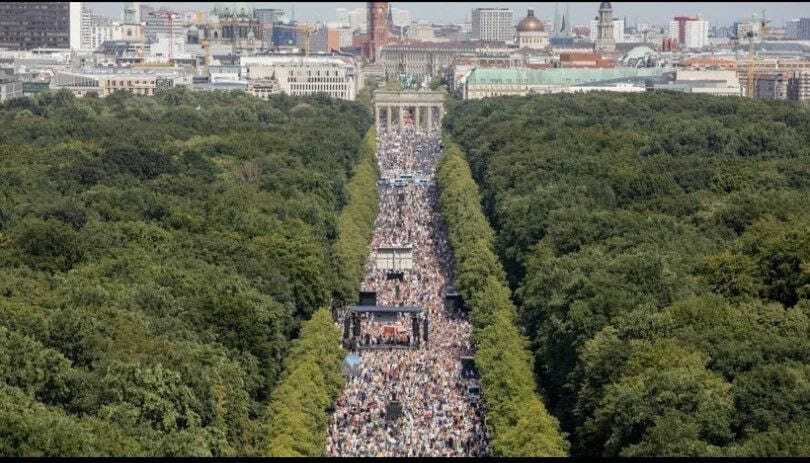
(723, 13)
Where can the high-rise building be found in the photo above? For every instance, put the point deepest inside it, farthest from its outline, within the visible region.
(492, 24)
(792, 29)
(267, 18)
(158, 24)
(677, 28)
(377, 29)
(605, 40)
(697, 34)
(27, 25)
(75, 12)
(690, 32)
(82, 24)
(803, 29)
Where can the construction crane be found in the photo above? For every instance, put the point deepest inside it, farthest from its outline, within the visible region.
(763, 28)
(169, 16)
(307, 30)
(207, 47)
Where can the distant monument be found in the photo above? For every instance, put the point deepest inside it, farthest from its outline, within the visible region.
(604, 35)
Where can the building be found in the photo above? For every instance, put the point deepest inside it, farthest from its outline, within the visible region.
(641, 56)
(708, 62)
(82, 22)
(803, 29)
(743, 29)
(697, 35)
(345, 34)
(484, 83)
(377, 29)
(29, 25)
(31, 88)
(102, 82)
(677, 28)
(285, 35)
(10, 87)
(561, 33)
(235, 31)
(531, 33)
(763, 67)
(269, 15)
(773, 86)
(421, 59)
(492, 24)
(792, 29)
(449, 32)
(720, 83)
(305, 75)
(690, 32)
(420, 33)
(584, 59)
(325, 39)
(158, 23)
(605, 41)
(799, 87)
(618, 30)
(264, 88)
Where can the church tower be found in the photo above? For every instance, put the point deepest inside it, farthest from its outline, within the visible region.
(377, 29)
(604, 29)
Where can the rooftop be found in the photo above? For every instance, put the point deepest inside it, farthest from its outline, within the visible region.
(557, 76)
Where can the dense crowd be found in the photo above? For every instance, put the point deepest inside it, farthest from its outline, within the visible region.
(441, 416)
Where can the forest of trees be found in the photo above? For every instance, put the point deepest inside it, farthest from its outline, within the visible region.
(157, 257)
(658, 248)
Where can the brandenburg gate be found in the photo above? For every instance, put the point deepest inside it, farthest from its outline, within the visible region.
(422, 109)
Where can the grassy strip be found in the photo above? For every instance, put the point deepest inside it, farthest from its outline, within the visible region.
(313, 379)
(518, 420)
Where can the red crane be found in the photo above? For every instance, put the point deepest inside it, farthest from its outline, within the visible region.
(169, 15)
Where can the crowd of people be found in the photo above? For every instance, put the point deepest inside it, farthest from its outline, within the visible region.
(439, 414)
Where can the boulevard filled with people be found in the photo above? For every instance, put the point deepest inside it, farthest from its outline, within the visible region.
(440, 411)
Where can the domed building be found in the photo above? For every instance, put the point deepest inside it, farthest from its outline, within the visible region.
(531, 33)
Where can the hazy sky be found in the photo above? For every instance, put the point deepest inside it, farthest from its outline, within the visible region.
(719, 13)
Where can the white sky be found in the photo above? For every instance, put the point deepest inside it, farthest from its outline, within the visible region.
(723, 13)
